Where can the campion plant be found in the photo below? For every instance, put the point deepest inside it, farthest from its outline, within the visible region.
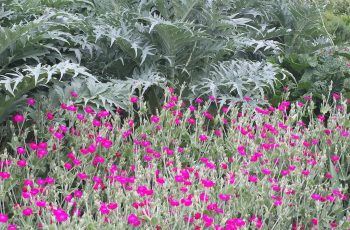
(185, 167)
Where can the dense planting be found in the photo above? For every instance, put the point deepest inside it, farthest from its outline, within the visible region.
(174, 114)
(192, 166)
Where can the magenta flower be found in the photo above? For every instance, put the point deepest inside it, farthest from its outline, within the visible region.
(208, 221)
(96, 123)
(31, 101)
(74, 94)
(12, 227)
(21, 150)
(40, 203)
(82, 176)
(315, 196)
(155, 119)
(50, 116)
(186, 202)
(4, 175)
(241, 150)
(22, 163)
(307, 98)
(305, 172)
(335, 158)
(199, 100)
(208, 183)
(27, 212)
(203, 138)
(112, 205)
(172, 202)
(224, 197)
(3, 218)
(103, 209)
(134, 99)
(60, 215)
(58, 135)
(133, 220)
(18, 118)
(253, 179)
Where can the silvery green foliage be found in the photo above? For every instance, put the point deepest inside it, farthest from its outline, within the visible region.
(239, 77)
(136, 45)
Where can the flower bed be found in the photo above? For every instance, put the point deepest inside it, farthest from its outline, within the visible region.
(189, 167)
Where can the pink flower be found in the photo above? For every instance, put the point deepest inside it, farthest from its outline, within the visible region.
(60, 215)
(335, 158)
(4, 175)
(208, 183)
(207, 220)
(315, 196)
(40, 203)
(262, 111)
(33, 146)
(155, 119)
(173, 202)
(160, 180)
(345, 133)
(191, 121)
(277, 202)
(218, 133)
(68, 166)
(314, 221)
(144, 191)
(253, 179)
(241, 150)
(112, 205)
(58, 135)
(98, 160)
(88, 109)
(133, 220)
(103, 209)
(3, 218)
(22, 163)
(31, 101)
(186, 202)
(82, 176)
(50, 116)
(199, 100)
(208, 116)
(18, 118)
(235, 223)
(96, 123)
(336, 96)
(305, 172)
(21, 150)
(134, 99)
(27, 212)
(192, 108)
(266, 171)
(12, 227)
(285, 172)
(74, 94)
(224, 197)
(203, 138)
(78, 193)
(307, 98)
(203, 197)
(246, 98)
(50, 180)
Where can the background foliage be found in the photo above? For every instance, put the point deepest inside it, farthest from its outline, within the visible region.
(229, 49)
